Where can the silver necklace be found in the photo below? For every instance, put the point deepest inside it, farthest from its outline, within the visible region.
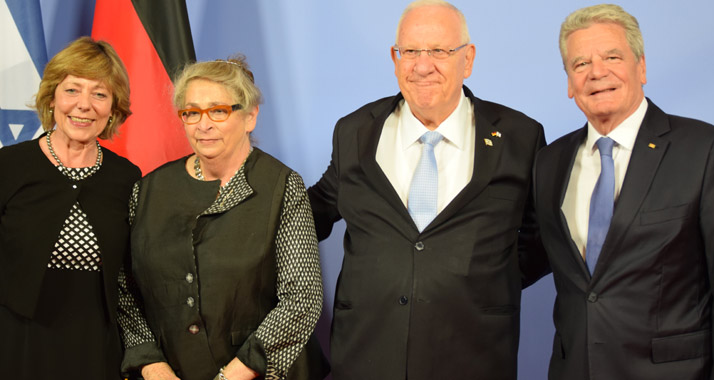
(68, 172)
(199, 173)
(197, 169)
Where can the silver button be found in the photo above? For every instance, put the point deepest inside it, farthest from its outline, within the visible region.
(193, 329)
(419, 246)
(74, 186)
(189, 278)
(190, 301)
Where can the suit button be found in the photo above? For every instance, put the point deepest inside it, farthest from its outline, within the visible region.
(193, 329)
(419, 246)
(190, 302)
(592, 297)
(189, 278)
(403, 300)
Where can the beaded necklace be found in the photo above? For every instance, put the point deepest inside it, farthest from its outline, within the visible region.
(70, 173)
(197, 169)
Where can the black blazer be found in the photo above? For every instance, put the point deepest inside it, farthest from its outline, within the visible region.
(35, 200)
(444, 303)
(646, 311)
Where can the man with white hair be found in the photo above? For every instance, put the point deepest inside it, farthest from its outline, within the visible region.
(433, 184)
(626, 210)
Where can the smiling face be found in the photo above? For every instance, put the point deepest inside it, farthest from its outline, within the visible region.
(219, 140)
(604, 76)
(432, 87)
(81, 108)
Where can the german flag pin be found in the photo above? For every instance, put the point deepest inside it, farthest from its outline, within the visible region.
(652, 146)
(496, 134)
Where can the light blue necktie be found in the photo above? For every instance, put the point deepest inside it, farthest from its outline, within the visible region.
(601, 203)
(425, 183)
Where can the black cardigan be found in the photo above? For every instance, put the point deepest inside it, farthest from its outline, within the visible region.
(35, 200)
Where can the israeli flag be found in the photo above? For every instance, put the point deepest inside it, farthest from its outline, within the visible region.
(23, 58)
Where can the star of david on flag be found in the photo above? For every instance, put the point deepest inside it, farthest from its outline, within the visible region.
(21, 63)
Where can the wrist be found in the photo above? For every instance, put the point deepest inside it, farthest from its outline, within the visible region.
(221, 375)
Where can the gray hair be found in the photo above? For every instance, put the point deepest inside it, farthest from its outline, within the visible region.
(232, 73)
(602, 14)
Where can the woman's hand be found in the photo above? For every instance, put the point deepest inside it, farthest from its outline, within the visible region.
(236, 370)
(158, 371)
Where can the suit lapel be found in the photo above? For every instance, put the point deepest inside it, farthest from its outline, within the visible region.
(367, 141)
(487, 150)
(563, 169)
(647, 153)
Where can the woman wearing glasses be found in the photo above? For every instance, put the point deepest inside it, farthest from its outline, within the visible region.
(224, 253)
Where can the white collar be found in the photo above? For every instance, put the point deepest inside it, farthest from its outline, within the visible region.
(624, 134)
(452, 128)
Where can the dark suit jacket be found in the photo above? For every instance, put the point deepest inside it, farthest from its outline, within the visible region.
(444, 303)
(646, 311)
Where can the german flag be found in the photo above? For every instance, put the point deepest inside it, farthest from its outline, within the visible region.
(153, 38)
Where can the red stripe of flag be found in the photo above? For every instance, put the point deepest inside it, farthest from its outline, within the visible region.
(153, 134)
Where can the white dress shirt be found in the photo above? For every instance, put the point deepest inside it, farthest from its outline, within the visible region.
(399, 150)
(586, 170)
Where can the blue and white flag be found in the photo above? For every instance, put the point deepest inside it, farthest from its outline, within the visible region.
(22, 61)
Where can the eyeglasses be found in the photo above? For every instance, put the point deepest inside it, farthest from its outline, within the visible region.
(215, 113)
(435, 53)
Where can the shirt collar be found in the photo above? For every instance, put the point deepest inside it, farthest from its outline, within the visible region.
(623, 134)
(451, 128)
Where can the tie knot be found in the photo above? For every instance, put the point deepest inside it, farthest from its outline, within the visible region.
(431, 138)
(604, 146)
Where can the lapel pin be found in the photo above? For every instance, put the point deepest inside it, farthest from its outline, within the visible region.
(496, 134)
(488, 142)
(652, 146)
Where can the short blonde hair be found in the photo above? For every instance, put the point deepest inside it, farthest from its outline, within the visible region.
(90, 59)
(602, 13)
(465, 38)
(233, 74)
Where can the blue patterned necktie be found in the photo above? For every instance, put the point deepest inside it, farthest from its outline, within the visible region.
(425, 183)
(601, 203)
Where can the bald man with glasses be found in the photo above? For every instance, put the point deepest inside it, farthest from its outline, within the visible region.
(433, 184)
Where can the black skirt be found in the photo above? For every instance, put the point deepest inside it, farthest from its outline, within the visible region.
(70, 336)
